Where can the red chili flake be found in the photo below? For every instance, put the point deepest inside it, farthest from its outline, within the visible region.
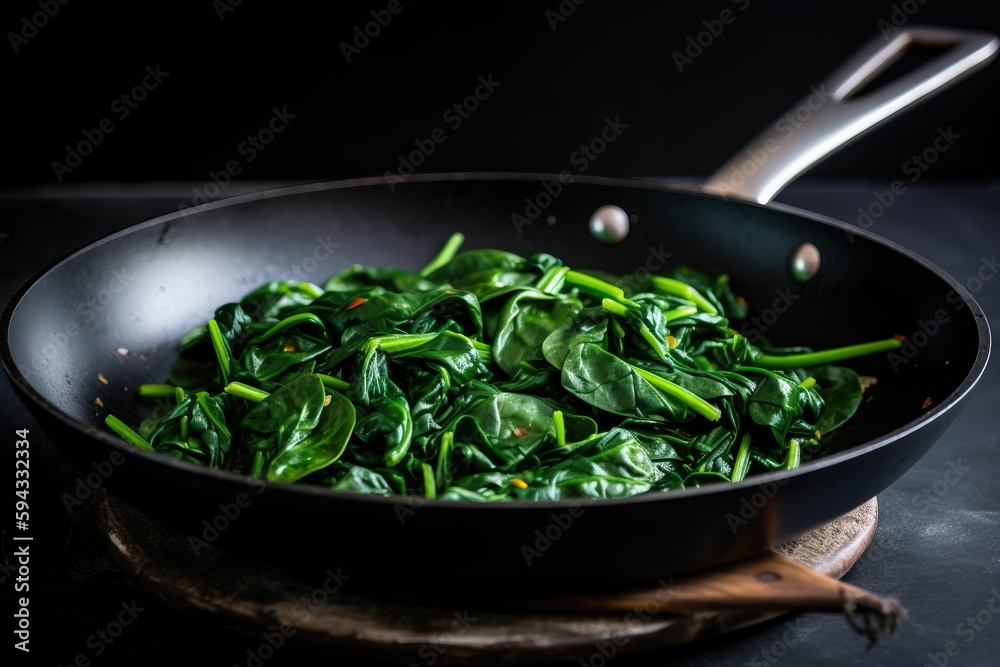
(900, 337)
(288, 348)
(449, 291)
(520, 432)
(355, 303)
(927, 403)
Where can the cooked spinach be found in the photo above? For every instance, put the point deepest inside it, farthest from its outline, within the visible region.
(488, 376)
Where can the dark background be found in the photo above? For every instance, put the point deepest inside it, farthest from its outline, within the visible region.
(228, 69)
(606, 59)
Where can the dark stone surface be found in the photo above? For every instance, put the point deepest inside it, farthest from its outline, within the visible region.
(937, 547)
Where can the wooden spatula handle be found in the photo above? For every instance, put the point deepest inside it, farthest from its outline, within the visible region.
(768, 582)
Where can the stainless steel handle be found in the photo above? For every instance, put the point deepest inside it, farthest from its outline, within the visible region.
(830, 116)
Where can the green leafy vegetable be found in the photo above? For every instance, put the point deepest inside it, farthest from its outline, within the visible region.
(488, 376)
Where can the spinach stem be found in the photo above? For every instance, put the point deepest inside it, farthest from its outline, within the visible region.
(258, 463)
(553, 279)
(597, 287)
(808, 383)
(794, 455)
(156, 390)
(130, 436)
(684, 291)
(430, 488)
(444, 454)
(692, 400)
(403, 342)
(245, 391)
(742, 463)
(807, 359)
(333, 383)
(653, 343)
(478, 345)
(445, 255)
(560, 424)
(289, 322)
(613, 306)
(221, 348)
(679, 312)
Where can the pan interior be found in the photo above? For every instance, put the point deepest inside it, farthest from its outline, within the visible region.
(141, 290)
(117, 309)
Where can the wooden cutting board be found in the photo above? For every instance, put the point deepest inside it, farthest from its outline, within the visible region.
(332, 617)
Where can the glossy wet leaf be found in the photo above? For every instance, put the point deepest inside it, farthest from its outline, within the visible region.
(488, 376)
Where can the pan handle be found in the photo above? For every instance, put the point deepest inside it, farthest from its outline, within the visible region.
(832, 114)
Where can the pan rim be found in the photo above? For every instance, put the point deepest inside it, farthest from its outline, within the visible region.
(952, 401)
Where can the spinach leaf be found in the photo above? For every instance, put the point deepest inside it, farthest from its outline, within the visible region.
(841, 392)
(487, 376)
(527, 319)
(324, 444)
(195, 431)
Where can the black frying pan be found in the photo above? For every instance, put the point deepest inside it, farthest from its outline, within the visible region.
(141, 289)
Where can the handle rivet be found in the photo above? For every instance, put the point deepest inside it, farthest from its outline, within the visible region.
(609, 224)
(805, 262)
(768, 576)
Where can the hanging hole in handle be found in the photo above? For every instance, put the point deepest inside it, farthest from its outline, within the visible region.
(909, 58)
